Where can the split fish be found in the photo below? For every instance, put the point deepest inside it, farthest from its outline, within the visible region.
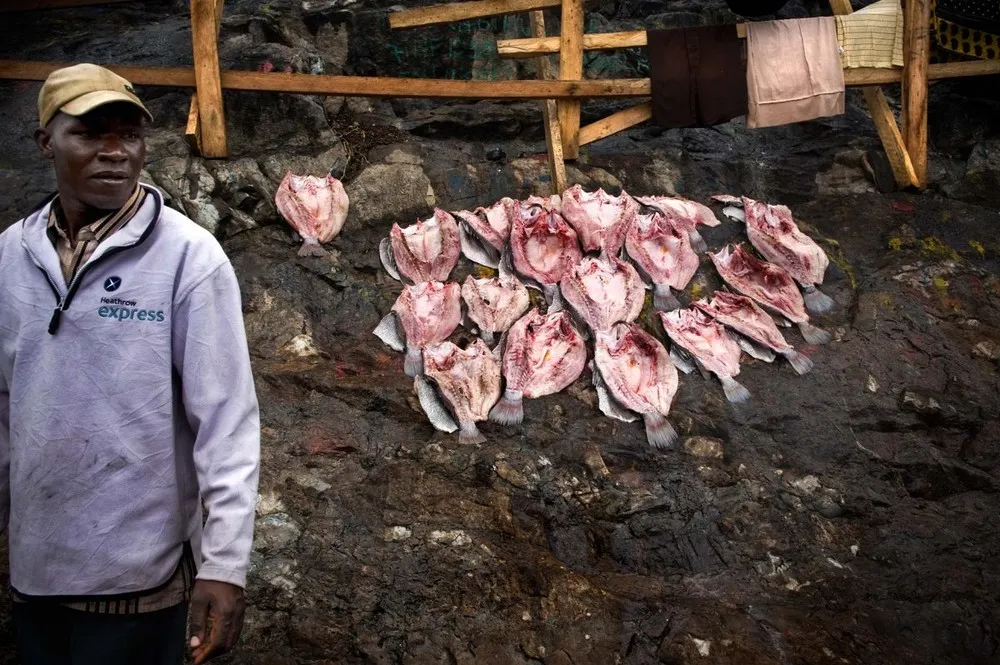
(686, 215)
(706, 340)
(494, 303)
(599, 218)
(426, 251)
(543, 247)
(603, 291)
(469, 380)
(484, 231)
(427, 312)
(315, 207)
(663, 253)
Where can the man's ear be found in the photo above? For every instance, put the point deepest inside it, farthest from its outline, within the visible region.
(43, 138)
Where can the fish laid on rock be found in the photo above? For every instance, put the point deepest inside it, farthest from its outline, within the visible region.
(315, 207)
(744, 316)
(708, 342)
(552, 202)
(769, 285)
(485, 230)
(426, 251)
(542, 354)
(663, 253)
(685, 215)
(604, 291)
(544, 248)
(469, 380)
(773, 231)
(428, 313)
(600, 219)
(633, 370)
(494, 303)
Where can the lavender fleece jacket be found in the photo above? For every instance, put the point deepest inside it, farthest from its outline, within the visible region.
(124, 411)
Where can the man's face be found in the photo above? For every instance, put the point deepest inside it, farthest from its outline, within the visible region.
(97, 156)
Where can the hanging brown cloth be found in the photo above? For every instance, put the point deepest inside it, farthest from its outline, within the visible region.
(697, 75)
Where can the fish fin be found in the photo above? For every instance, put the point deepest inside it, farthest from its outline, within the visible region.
(735, 392)
(388, 331)
(574, 316)
(501, 345)
(735, 214)
(817, 302)
(812, 334)
(697, 242)
(781, 321)
(506, 265)
(475, 249)
(487, 336)
(413, 364)
(510, 409)
(681, 359)
(388, 259)
(311, 247)
(606, 402)
(800, 363)
(705, 374)
(659, 432)
(663, 299)
(552, 297)
(432, 405)
(469, 434)
(753, 349)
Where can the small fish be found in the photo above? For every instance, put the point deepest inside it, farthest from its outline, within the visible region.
(494, 303)
(428, 313)
(603, 291)
(662, 251)
(426, 251)
(469, 379)
(707, 341)
(599, 218)
(315, 207)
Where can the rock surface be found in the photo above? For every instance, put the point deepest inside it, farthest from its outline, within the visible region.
(844, 516)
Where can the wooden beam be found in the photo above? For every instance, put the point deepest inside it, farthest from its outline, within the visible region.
(463, 11)
(916, 46)
(550, 112)
(535, 46)
(205, 40)
(616, 122)
(571, 69)
(33, 5)
(193, 130)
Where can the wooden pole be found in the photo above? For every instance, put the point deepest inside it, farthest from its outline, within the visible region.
(616, 122)
(916, 43)
(550, 112)
(571, 69)
(193, 131)
(205, 40)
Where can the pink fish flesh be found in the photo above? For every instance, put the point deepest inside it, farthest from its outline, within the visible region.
(663, 252)
(428, 250)
(553, 202)
(494, 303)
(543, 246)
(705, 339)
(542, 354)
(491, 224)
(469, 380)
(745, 317)
(685, 215)
(428, 312)
(769, 285)
(600, 219)
(315, 207)
(604, 291)
(637, 371)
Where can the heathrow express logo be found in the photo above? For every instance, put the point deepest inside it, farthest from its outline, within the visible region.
(112, 283)
(125, 310)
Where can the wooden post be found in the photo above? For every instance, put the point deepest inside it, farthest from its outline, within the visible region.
(916, 45)
(205, 40)
(550, 113)
(571, 69)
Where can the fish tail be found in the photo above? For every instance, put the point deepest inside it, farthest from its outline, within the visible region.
(311, 247)
(812, 334)
(735, 392)
(817, 302)
(800, 363)
(510, 409)
(698, 243)
(413, 364)
(659, 432)
(663, 299)
(468, 433)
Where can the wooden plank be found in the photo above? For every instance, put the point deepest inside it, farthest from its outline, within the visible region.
(550, 112)
(193, 130)
(916, 46)
(571, 69)
(374, 86)
(205, 40)
(531, 47)
(616, 122)
(33, 5)
(463, 11)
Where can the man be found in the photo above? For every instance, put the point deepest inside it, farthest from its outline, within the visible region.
(126, 402)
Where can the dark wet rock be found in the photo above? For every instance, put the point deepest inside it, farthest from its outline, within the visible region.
(191, 185)
(703, 446)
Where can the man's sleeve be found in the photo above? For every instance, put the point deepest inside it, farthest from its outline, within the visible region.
(4, 454)
(213, 361)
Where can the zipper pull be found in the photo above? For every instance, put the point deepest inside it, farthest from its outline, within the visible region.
(54, 321)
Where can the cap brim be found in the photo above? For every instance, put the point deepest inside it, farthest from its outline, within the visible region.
(90, 101)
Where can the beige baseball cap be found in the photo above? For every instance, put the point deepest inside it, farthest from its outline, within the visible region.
(82, 88)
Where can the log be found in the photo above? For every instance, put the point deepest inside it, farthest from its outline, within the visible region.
(571, 69)
(916, 46)
(463, 11)
(208, 82)
(550, 112)
(531, 47)
(616, 122)
(193, 131)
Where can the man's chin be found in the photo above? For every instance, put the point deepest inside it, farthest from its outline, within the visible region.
(110, 198)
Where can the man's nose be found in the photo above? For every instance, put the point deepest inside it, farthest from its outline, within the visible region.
(112, 148)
